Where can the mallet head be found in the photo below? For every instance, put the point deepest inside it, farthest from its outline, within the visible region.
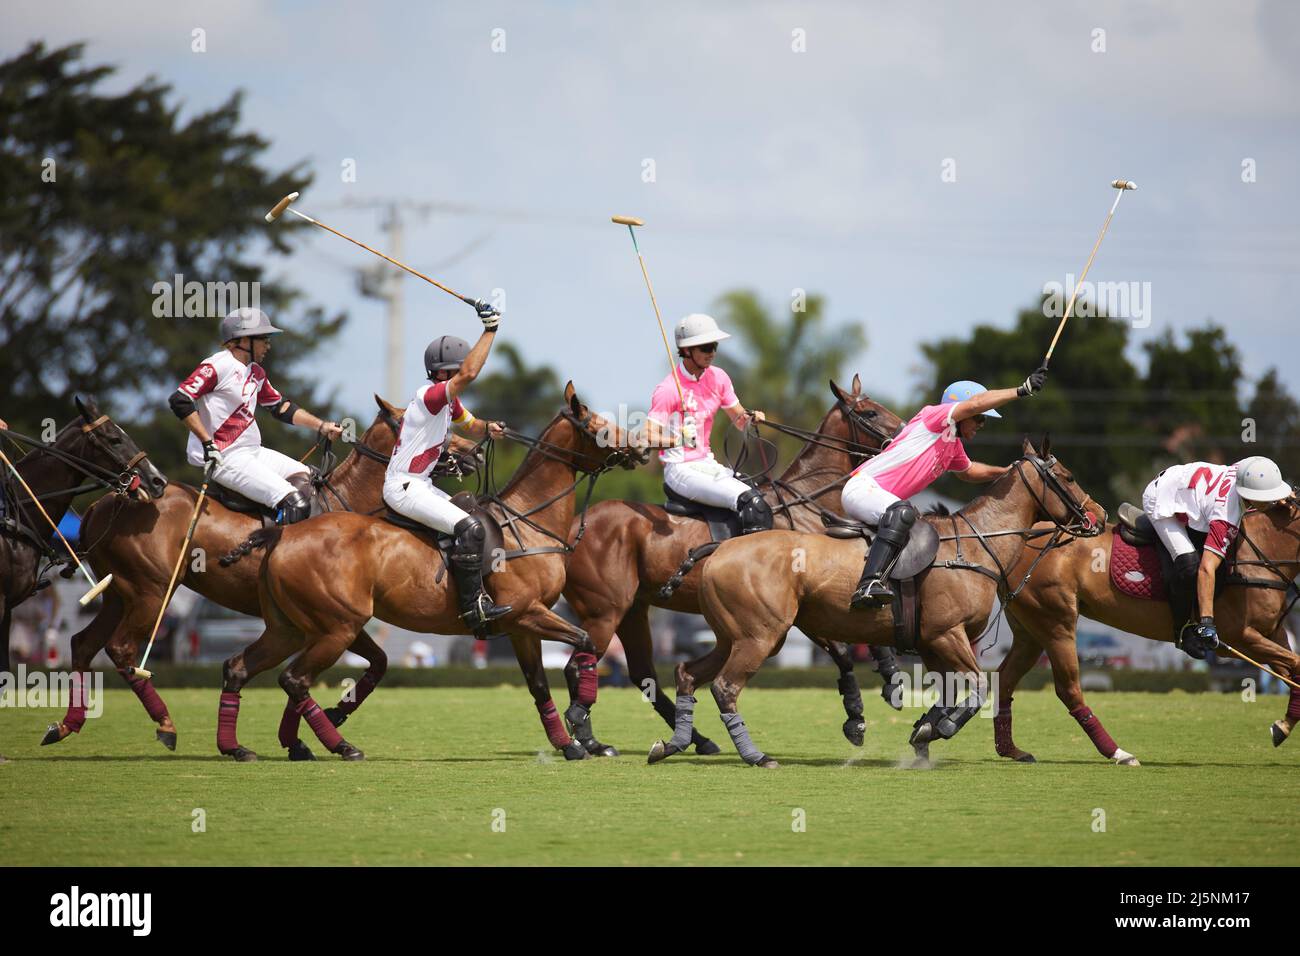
(1124, 184)
(141, 673)
(278, 210)
(95, 591)
(626, 220)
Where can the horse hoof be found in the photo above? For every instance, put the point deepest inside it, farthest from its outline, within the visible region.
(1024, 757)
(167, 738)
(53, 734)
(574, 751)
(767, 763)
(705, 748)
(922, 735)
(348, 752)
(855, 730)
(597, 749)
(1276, 731)
(300, 751)
(241, 754)
(661, 751)
(336, 716)
(892, 692)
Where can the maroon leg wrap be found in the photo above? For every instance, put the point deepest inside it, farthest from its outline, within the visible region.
(75, 718)
(1002, 727)
(587, 677)
(555, 732)
(325, 732)
(227, 718)
(1095, 731)
(153, 704)
(289, 722)
(364, 686)
(1293, 706)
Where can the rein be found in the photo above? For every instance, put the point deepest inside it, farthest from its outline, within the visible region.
(1285, 583)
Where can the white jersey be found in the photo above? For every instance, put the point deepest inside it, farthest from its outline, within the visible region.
(226, 393)
(1205, 493)
(424, 429)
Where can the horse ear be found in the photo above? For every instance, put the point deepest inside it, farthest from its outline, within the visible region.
(386, 406)
(87, 408)
(837, 391)
(1027, 447)
(1046, 447)
(857, 384)
(571, 396)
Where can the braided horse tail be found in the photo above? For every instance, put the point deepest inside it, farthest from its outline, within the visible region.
(266, 538)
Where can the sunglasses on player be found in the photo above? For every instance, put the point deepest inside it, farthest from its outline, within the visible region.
(708, 348)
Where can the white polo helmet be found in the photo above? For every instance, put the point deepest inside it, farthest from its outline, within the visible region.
(246, 321)
(698, 329)
(1260, 479)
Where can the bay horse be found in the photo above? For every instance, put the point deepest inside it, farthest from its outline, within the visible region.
(318, 586)
(756, 587)
(138, 543)
(1074, 581)
(89, 453)
(631, 550)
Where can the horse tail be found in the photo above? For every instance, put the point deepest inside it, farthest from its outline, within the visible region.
(266, 538)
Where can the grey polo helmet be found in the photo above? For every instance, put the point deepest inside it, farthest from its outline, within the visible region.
(244, 322)
(1260, 479)
(698, 329)
(446, 352)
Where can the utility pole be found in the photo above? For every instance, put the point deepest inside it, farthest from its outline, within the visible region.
(396, 314)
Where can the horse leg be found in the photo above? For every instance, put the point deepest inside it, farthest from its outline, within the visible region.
(735, 674)
(580, 675)
(1061, 651)
(376, 668)
(86, 643)
(1021, 659)
(296, 680)
(6, 618)
(277, 642)
(690, 675)
(121, 649)
(528, 651)
(950, 654)
(855, 726)
(638, 644)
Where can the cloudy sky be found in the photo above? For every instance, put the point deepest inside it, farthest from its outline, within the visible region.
(774, 169)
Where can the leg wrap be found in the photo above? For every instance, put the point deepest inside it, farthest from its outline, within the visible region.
(740, 737)
(227, 718)
(75, 718)
(555, 732)
(289, 722)
(1002, 726)
(1293, 706)
(153, 704)
(1095, 731)
(852, 694)
(365, 685)
(587, 677)
(325, 731)
(886, 662)
(684, 721)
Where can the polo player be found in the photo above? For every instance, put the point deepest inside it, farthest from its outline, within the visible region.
(927, 446)
(218, 402)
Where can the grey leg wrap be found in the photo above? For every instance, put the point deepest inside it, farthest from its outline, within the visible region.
(852, 694)
(685, 722)
(955, 717)
(740, 737)
(578, 718)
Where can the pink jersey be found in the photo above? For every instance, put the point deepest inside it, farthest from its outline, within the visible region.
(927, 446)
(226, 393)
(703, 397)
(1204, 495)
(424, 429)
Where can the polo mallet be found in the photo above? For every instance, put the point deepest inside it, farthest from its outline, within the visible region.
(1122, 185)
(96, 587)
(284, 204)
(180, 559)
(1233, 650)
(630, 222)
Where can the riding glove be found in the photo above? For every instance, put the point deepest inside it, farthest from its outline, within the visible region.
(1034, 383)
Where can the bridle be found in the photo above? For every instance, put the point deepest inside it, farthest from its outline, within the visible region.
(1285, 582)
(123, 481)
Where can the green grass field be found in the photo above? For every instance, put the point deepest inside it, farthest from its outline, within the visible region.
(1212, 790)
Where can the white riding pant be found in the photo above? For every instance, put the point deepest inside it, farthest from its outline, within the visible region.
(1171, 532)
(705, 480)
(864, 500)
(423, 501)
(258, 473)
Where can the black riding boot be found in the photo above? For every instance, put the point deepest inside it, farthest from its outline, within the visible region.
(1182, 594)
(891, 538)
(292, 508)
(477, 609)
(754, 511)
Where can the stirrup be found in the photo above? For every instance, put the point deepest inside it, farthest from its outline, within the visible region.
(483, 613)
(874, 592)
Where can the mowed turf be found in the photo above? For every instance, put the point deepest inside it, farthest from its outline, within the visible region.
(445, 765)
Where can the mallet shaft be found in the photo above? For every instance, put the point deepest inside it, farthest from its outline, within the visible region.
(176, 570)
(1285, 680)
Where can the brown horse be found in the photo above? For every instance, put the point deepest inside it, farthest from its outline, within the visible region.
(319, 586)
(138, 543)
(89, 453)
(631, 550)
(1074, 581)
(755, 588)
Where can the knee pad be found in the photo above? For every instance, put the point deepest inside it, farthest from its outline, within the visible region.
(896, 523)
(292, 508)
(754, 510)
(469, 534)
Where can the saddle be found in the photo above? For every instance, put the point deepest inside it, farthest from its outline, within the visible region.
(1139, 563)
(723, 523)
(240, 504)
(918, 556)
(493, 539)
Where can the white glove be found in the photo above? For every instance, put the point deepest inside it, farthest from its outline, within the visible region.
(690, 433)
(211, 455)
